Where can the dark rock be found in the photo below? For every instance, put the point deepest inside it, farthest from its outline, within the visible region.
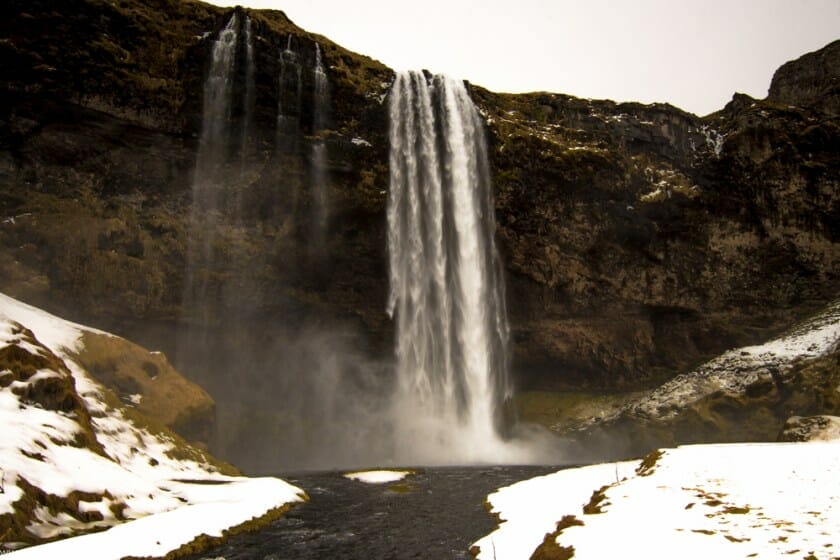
(812, 80)
(811, 428)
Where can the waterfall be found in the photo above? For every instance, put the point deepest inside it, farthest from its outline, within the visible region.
(216, 116)
(207, 183)
(248, 100)
(446, 280)
(318, 172)
(290, 87)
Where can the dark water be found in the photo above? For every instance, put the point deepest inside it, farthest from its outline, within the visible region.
(436, 514)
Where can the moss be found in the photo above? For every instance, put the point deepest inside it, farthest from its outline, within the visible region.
(204, 542)
(55, 392)
(648, 464)
(403, 488)
(597, 501)
(15, 526)
(549, 549)
(735, 510)
(730, 538)
(128, 369)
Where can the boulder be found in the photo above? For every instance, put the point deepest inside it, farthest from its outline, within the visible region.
(811, 428)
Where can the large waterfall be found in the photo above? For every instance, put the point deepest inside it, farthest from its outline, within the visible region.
(447, 289)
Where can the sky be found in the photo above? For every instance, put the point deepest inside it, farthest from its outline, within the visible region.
(691, 53)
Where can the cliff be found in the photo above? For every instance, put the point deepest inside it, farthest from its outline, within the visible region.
(639, 240)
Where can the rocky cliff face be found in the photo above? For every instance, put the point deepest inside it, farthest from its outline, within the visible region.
(641, 238)
(638, 240)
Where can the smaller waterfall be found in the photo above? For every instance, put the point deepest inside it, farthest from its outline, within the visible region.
(318, 173)
(248, 99)
(290, 89)
(213, 151)
(216, 117)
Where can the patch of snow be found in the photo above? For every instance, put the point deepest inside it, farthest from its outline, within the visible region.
(739, 368)
(135, 399)
(716, 501)
(360, 142)
(51, 331)
(529, 509)
(167, 501)
(377, 477)
(218, 507)
(714, 139)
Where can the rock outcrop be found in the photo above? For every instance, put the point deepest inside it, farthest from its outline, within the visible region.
(639, 240)
(746, 394)
(812, 80)
(811, 428)
(147, 382)
(74, 459)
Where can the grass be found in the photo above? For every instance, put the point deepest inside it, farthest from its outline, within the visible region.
(205, 542)
(562, 410)
(549, 549)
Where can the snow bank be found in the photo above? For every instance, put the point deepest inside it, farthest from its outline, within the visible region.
(156, 492)
(53, 332)
(378, 477)
(777, 500)
(529, 509)
(211, 509)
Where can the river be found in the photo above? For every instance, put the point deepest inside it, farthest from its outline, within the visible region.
(435, 515)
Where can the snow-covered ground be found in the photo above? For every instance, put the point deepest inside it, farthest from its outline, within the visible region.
(737, 369)
(722, 501)
(378, 477)
(157, 492)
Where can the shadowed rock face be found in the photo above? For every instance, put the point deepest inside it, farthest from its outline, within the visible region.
(813, 80)
(637, 240)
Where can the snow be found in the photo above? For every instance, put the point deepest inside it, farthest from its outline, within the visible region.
(378, 477)
(778, 500)
(51, 331)
(737, 369)
(529, 509)
(218, 507)
(165, 502)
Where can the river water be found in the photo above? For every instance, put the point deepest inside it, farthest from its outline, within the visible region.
(435, 514)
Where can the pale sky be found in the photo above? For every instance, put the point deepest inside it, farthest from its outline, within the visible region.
(691, 53)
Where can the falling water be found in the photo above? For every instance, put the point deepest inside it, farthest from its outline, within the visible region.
(290, 88)
(208, 176)
(248, 100)
(215, 117)
(447, 290)
(319, 179)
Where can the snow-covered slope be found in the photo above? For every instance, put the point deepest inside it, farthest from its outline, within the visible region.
(73, 460)
(744, 395)
(724, 501)
(738, 369)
